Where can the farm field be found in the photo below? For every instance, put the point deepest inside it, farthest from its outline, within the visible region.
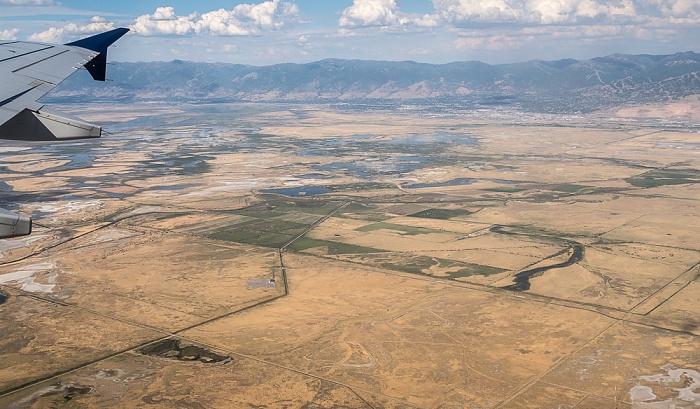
(262, 255)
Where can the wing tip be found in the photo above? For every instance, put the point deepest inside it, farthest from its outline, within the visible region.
(99, 43)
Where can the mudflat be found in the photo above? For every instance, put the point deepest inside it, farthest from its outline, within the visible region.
(261, 255)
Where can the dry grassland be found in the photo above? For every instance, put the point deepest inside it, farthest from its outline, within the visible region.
(448, 263)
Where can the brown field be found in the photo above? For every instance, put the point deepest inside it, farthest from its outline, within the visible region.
(447, 262)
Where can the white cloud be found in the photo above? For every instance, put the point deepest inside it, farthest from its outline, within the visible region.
(10, 34)
(244, 19)
(494, 42)
(580, 34)
(566, 11)
(386, 13)
(381, 13)
(52, 35)
(163, 22)
(478, 10)
(568, 24)
(96, 25)
(683, 9)
(364, 13)
(533, 11)
(28, 2)
(57, 34)
(420, 51)
(462, 13)
(427, 20)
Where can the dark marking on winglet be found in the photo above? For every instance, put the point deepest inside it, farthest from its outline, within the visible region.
(97, 66)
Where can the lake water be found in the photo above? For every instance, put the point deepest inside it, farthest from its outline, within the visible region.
(298, 191)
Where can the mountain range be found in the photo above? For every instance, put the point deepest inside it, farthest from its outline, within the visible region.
(563, 86)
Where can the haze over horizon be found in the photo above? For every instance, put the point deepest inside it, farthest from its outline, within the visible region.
(438, 31)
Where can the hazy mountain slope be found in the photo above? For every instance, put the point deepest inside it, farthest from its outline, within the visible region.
(545, 86)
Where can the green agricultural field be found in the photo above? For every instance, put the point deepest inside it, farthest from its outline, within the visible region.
(662, 177)
(411, 231)
(333, 248)
(570, 188)
(426, 266)
(442, 214)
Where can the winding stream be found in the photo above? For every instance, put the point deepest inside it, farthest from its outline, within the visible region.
(521, 281)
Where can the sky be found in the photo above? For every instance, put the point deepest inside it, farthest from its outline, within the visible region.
(265, 32)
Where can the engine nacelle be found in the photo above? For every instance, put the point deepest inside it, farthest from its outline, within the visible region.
(14, 225)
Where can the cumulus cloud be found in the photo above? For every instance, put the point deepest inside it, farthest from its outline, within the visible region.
(475, 10)
(58, 34)
(427, 20)
(386, 13)
(681, 9)
(10, 34)
(534, 11)
(28, 2)
(494, 42)
(364, 13)
(243, 19)
(530, 12)
(164, 22)
(562, 36)
(381, 13)
(590, 19)
(51, 35)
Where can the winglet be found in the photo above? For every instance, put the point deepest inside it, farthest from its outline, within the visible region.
(99, 43)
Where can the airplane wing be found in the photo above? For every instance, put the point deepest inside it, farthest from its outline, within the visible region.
(28, 71)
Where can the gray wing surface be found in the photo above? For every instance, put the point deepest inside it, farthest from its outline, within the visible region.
(29, 71)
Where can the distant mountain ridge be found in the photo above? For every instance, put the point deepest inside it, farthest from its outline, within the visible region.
(537, 86)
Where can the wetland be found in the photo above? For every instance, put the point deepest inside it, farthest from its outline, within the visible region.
(420, 260)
